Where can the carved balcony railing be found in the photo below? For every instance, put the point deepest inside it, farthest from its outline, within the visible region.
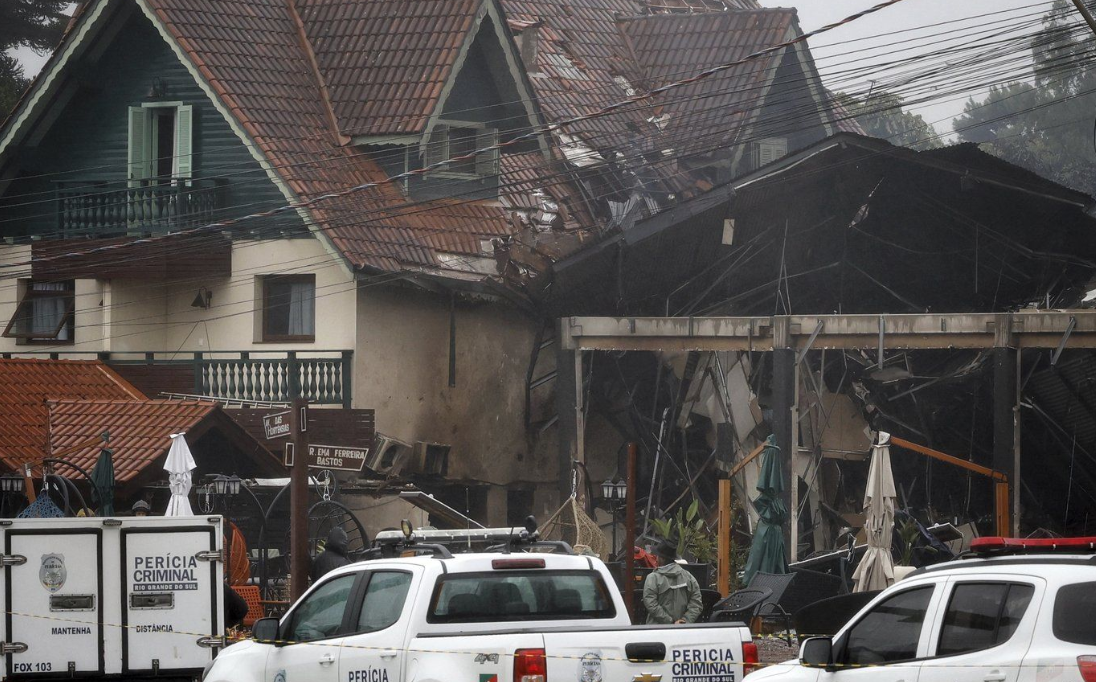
(233, 377)
(107, 208)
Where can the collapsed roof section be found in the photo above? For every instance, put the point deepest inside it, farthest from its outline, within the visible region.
(853, 225)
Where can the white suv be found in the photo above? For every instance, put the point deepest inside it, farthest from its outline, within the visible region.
(1017, 611)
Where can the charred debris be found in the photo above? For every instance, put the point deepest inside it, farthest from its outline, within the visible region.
(848, 225)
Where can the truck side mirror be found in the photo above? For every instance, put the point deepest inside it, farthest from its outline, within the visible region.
(817, 652)
(265, 630)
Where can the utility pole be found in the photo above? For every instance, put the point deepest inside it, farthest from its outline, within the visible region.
(298, 501)
(1086, 14)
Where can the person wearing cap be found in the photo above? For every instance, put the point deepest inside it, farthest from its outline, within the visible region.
(670, 593)
(141, 508)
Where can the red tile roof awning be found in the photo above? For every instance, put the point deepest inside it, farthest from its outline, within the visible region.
(26, 385)
(140, 434)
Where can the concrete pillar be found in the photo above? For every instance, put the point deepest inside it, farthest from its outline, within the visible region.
(570, 410)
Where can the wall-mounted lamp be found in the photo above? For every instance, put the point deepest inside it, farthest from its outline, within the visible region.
(158, 89)
(202, 299)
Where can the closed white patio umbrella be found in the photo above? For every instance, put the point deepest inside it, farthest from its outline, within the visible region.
(876, 569)
(178, 466)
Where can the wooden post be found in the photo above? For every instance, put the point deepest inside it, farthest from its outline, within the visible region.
(630, 535)
(726, 521)
(298, 501)
(1004, 430)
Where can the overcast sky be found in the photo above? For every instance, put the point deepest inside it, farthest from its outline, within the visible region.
(815, 13)
(905, 15)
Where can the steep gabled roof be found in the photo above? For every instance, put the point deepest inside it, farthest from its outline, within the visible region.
(298, 79)
(26, 385)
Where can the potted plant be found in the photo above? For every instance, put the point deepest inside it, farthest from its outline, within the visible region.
(694, 541)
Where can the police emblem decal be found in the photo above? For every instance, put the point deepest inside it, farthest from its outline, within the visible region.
(590, 668)
(53, 573)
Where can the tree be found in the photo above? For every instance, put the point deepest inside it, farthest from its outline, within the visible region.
(1044, 124)
(12, 83)
(881, 114)
(36, 24)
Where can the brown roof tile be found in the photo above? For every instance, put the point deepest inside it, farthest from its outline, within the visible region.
(26, 385)
(363, 48)
(139, 432)
(668, 47)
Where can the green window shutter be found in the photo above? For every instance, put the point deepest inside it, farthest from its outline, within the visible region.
(487, 163)
(140, 161)
(184, 141)
(437, 147)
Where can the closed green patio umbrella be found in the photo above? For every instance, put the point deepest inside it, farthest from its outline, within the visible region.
(767, 551)
(102, 477)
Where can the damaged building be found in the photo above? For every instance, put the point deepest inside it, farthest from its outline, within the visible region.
(848, 281)
(270, 214)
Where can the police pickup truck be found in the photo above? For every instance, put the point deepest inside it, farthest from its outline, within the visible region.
(511, 613)
(85, 598)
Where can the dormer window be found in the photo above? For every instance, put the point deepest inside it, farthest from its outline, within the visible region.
(455, 144)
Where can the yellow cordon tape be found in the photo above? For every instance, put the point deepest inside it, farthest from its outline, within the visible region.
(753, 666)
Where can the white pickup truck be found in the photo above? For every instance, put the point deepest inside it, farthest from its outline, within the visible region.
(495, 616)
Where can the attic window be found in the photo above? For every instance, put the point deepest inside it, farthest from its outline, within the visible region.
(768, 150)
(453, 139)
(565, 67)
(44, 314)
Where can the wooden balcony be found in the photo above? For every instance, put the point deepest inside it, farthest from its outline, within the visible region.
(240, 378)
(99, 208)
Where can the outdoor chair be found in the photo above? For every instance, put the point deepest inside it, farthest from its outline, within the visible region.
(742, 605)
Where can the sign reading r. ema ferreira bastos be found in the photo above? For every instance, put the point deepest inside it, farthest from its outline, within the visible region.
(337, 457)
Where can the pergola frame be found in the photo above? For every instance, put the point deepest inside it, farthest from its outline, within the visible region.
(790, 337)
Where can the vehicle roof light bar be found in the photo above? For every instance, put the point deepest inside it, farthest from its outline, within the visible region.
(462, 535)
(1000, 545)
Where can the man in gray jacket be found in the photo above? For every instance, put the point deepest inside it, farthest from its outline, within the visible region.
(670, 593)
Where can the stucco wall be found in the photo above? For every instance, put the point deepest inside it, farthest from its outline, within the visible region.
(139, 316)
(402, 372)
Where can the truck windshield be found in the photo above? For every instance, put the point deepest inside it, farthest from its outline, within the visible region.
(501, 596)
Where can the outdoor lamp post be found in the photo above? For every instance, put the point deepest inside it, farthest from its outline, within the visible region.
(226, 488)
(614, 493)
(11, 483)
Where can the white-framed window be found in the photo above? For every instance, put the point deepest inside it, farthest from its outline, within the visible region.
(161, 141)
(453, 139)
(768, 150)
(45, 314)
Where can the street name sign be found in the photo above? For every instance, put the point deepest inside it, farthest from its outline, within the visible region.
(277, 425)
(337, 457)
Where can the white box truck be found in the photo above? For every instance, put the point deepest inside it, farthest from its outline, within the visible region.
(136, 598)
